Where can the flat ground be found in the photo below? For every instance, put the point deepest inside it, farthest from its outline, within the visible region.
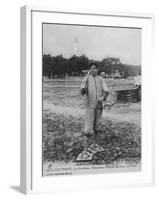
(63, 122)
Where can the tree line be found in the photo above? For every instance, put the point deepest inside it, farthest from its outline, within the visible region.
(59, 67)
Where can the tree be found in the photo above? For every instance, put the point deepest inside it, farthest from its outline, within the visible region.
(58, 66)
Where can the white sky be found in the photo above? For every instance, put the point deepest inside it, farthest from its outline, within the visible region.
(95, 42)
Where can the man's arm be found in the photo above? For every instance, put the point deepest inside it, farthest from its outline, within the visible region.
(84, 85)
(104, 88)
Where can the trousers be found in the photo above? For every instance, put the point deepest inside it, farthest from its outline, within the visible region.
(93, 120)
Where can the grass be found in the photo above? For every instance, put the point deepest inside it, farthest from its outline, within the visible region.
(63, 121)
(62, 140)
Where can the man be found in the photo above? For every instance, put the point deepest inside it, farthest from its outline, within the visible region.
(137, 84)
(95, 91)
(103, 75)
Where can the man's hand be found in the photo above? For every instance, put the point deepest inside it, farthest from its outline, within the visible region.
(101, 98)
(83, 91)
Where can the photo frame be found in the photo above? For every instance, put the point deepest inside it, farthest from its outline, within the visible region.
(32, 45)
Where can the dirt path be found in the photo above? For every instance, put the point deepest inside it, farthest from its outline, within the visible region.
(119, 117)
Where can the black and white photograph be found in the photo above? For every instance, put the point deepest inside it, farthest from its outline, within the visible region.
(91, 99)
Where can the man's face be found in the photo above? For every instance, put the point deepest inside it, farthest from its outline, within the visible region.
(103, 75)
(94, 70)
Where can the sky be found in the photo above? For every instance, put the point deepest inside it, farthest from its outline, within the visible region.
(96, 43)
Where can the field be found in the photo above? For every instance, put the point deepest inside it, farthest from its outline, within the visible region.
(63, 123)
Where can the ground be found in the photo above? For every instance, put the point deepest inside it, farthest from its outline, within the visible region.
(63, 122)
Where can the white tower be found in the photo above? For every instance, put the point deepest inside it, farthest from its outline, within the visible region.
(75, 46)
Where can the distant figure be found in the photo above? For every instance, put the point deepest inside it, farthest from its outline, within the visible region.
(137, 83)
(95, 91)
(103, 75)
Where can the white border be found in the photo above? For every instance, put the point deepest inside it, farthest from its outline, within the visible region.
(32, 87)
